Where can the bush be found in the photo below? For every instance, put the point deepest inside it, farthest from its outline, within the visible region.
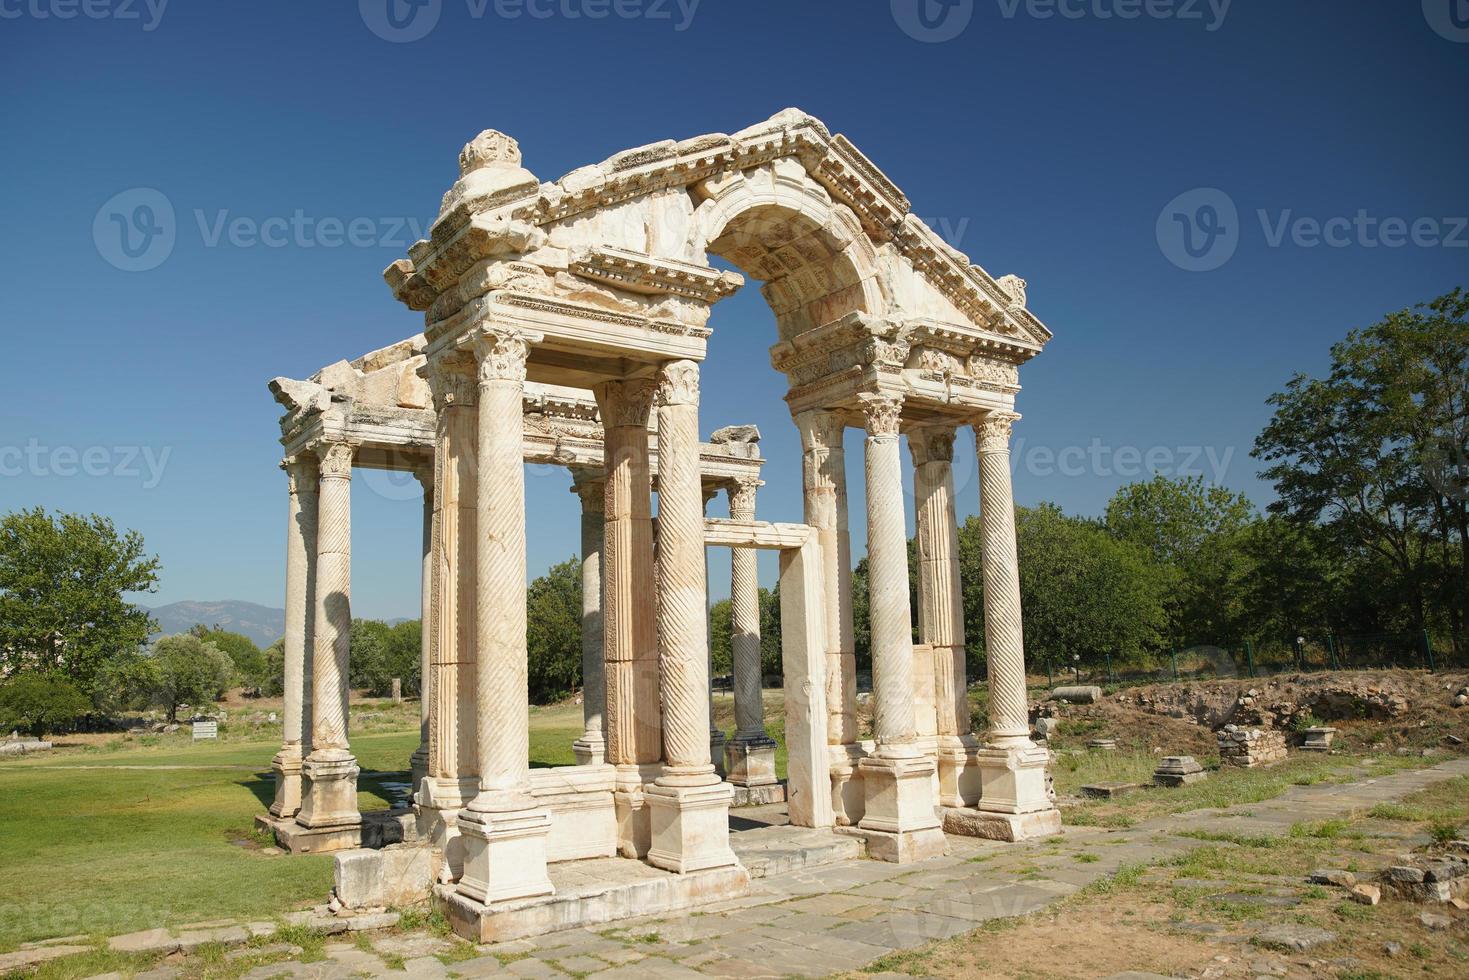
(249, 662)
(381, 652)
(40, 703)
(188, 671)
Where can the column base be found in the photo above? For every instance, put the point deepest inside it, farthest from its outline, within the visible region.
(1015, 777)
(437, 805)
(690, 827)
(847, 797)
(717, 742)
(504, 851)
(590, 749)
(418, 767)
(899, 821)
(750, 761)
(287, 768)
(329, 791)
(634, 830)
(966, 822)
(960, 778)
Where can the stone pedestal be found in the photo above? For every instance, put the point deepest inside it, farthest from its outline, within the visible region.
(504, 852)
(898, 820)
(329, 799)
(689, 827)
(750, 761)
(1178, 770)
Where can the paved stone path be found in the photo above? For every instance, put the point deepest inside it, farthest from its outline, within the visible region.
(844, 916)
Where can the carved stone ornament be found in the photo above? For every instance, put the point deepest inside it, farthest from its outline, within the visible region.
(992, 432)
(678, 383)
(502, 355)
(742, 499)
(883, 414)
(452, 384)
(490, 148)
(336, 460)
(301, 473)
(626, 402)
(820, 430)
(931, 444)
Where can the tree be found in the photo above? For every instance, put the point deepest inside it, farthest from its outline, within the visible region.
(1378, 453)
(62, 582)
(1085, 593)
(553, 632)
(721, 632)
(273, 683)
(1192, 531)
(381, 653)
(40, 703)
(188, 671)
(248, 661)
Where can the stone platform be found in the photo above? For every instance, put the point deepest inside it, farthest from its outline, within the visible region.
(379, 828)
(747, 796)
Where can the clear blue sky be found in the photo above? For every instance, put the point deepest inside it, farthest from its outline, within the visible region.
(1044, 146)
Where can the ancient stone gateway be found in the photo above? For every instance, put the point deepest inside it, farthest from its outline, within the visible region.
(592, 295)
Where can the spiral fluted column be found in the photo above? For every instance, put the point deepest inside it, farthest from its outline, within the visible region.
(330, 791)
(1015, 803)
(301, 482)
(688, 803)
(504, 829)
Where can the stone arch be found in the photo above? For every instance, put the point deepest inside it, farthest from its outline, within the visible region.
(778, 225)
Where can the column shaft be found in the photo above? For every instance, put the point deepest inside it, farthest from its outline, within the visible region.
(744, 598)
(301, 508)
(940, 599)
(418, 762)
(1004, 638)
(591, 748)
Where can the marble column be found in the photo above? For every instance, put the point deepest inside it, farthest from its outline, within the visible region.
(824, 479)
(688, 803)
(591, 748)
(629, 621)
(418, 762)
(898, 819)
(1014, 799)
(717, 740)
(941, 611)
(503, 828)
(301, 483)
(750, 757)
(329, 793)
(450, 684)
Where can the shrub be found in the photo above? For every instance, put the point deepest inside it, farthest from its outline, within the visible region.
(40, 703)
(188, 671)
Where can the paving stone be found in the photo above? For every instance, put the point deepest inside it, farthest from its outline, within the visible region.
(412, 946)
(484, 966)
(24, 958)
(1293, 936)
(533, 967)
(147, 941)
(425, 968)
(274, 949)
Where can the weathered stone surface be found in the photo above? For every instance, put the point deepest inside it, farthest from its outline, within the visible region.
(1293, 936)
(1250, 747)
(1107, 791)
(1178, 770)
(398, 875)
(1082, 694)
(1331, 876)
(1365, 894)
(147, 941)
(24, 958)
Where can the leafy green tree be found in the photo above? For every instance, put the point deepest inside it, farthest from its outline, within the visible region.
(721, 625)
(553, 632)
(381, 653)
(721, 631)
(40, 703)
(188, 671)
(62, 585)
(249, 662)
(273, 683)
(1193, 532)
(1378, 452)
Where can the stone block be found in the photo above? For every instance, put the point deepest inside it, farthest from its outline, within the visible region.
(1250, 747)
(1102, 744)
(1318, 739)
(1178, 770)
(1078, 694)
(1106, 791)
(400, 875)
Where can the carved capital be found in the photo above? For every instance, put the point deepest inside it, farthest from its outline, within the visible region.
(593, 493)
(424, 474)
(820, 430)
(336, 460)
(502, 355)
(625, 402)
(302, 473)
(992, 431)
(931, 444)
(452, 384)
(882, 414)
(678, 383)
(742, 499)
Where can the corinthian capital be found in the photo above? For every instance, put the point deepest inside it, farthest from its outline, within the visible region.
(502, 354)
(678, 383)
(820, 430)
(301, 473)
(625, 402)
(882, 414)
(452, 384)
(992, 431)
(742, 499)
(336, 460)
(931, 444)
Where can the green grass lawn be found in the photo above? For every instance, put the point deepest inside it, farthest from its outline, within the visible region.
(106, 840)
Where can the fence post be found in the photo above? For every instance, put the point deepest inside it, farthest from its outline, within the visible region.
(1331, 648)
(1250, 656)
(1428, 650)
(1050, 675)
(1110, 678)
(1174, 654)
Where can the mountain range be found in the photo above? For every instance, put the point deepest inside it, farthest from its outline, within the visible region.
(262, 624)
